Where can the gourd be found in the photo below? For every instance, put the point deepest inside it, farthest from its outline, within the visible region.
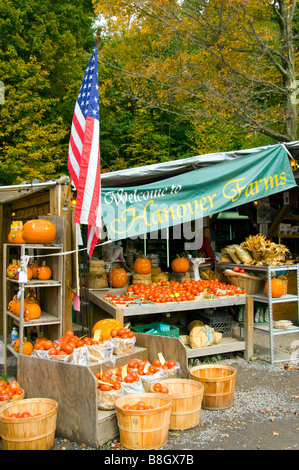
(117, 277)
(180, 265)
(142, 265)
(105, 326)
(277, 287)
(39, 231)
(32, 311)
(44, 272)
(27, 347)
(15, 236)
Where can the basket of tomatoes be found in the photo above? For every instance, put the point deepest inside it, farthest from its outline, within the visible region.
(123, 340)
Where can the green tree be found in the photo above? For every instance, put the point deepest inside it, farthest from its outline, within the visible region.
(228, 65)
(44, 48)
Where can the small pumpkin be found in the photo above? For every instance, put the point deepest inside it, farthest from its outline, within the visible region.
(27, 347)
(32, 311)
(34, 267)
(180, 265)
(39, 231)
(16, 236)
(142, 265)
(44, 272)
(117, 277)
(12, 269)
(277, 287)
(29, 273)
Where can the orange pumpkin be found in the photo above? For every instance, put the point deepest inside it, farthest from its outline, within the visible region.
(105, 326)
(29, 273)
(34, 267)
(27, 347)
(180, 265)
(117, 277)
(44, 272)
(142, 265)
(15, 236)
(32, 311)
(277, 287)
(39, 231)
(12, 269)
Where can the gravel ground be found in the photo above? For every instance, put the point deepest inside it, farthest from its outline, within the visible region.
(264, 415)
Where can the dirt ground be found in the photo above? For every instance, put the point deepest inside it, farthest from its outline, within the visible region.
(264, 415)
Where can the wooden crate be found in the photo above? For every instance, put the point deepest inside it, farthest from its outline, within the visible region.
(75, 389)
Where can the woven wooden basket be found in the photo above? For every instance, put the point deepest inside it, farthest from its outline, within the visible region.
(251, 283)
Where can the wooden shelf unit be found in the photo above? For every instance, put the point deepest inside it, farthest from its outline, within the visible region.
(49, 292)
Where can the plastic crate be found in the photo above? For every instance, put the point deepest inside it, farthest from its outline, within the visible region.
(221, 322)
(159, 329)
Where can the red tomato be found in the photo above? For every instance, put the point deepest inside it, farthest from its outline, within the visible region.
(25, 414)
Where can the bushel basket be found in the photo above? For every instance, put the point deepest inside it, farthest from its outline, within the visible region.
(253, 284)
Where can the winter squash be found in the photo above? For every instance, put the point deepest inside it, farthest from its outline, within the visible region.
(117, 277)
(39, 231)
(27, 347)
(180, 265)
(44, 272)
(17, 273)
(15, 236)
(105, 326)
(32, 311)
(142, 265)
(34, 267)
(12, 269)
(277, 287)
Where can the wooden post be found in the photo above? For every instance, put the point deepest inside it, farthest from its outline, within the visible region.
(248, 326)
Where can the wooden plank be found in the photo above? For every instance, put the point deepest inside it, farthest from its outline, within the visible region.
(227, 345)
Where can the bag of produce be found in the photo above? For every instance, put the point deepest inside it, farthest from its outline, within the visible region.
(224, 256)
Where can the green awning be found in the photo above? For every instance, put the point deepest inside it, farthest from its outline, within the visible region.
(131, 211)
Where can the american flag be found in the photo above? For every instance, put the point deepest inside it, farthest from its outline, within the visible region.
(84, 154)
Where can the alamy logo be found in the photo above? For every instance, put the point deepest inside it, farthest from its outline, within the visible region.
(2, 93)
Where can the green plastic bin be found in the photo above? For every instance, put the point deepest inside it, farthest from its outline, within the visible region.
(158, 329)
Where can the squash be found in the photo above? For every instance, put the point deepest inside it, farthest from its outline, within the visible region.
(34, 267)
(117, 277)
(16, 236)
(12, 269)
(277, 287)
(180, 265)
(44, 272)
(105, 326)
(32, 311)
(39, 231)
(27, 347)
(142, 265)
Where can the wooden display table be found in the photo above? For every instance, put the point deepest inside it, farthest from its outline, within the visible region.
(227, 344)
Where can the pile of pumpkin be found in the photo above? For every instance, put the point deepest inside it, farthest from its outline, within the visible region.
(118, 277)
(34, 271)
(32, 309)
(40, 231)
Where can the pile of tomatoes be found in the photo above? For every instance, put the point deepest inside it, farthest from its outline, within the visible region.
(145, 367)
(65, 345)
(160, 388)
(122, 333)
(111, 379)
(173, 291)
(9, 390)
(140, 405)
